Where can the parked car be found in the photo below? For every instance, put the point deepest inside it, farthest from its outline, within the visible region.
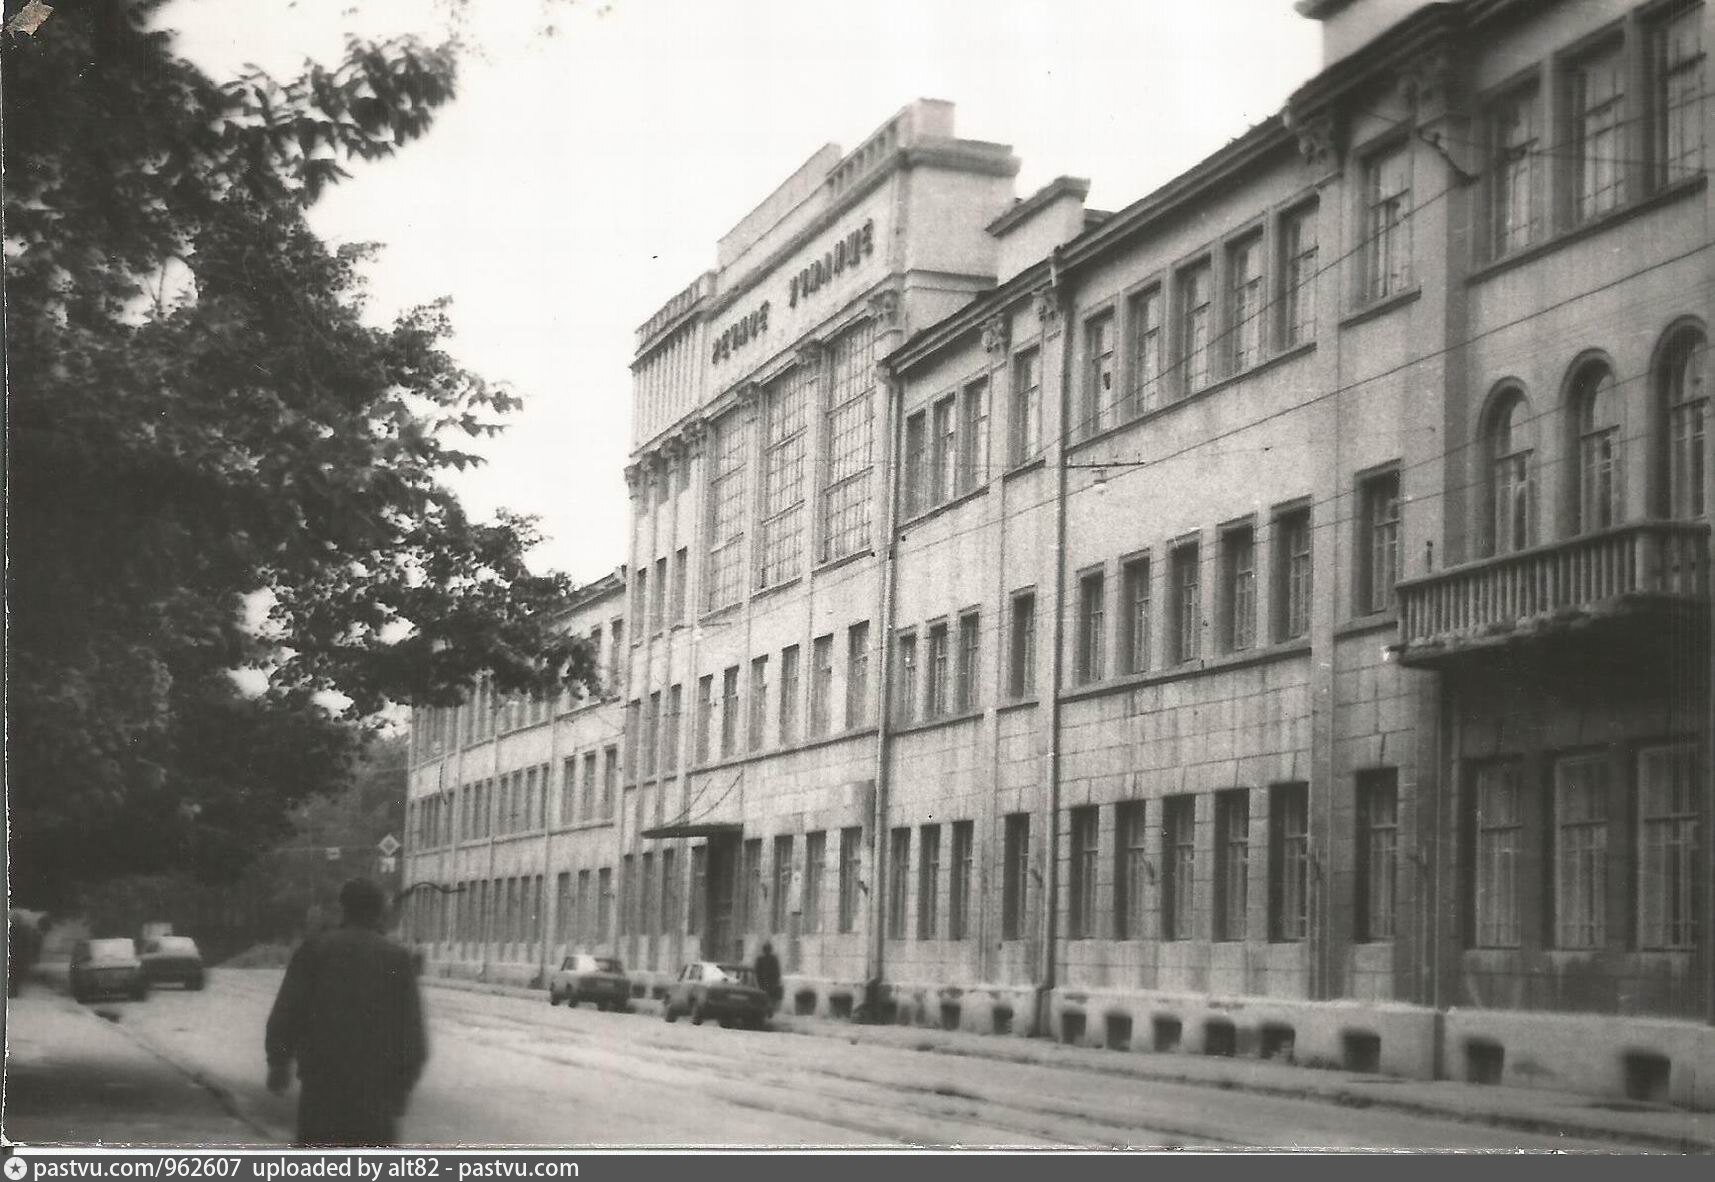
(582, 977)
(173, 958)
(728, 992)
(105, 968)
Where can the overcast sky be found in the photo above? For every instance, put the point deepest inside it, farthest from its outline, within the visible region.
(596, 151)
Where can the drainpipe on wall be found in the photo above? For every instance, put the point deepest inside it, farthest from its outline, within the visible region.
(1050, 878)
(548, 840)
(876, 969)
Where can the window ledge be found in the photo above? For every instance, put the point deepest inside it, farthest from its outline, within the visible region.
(580, 826)
(1363, 625)
(944, 506)
(1017, 704)
(843, 560)
(1215, 387)
(765, 592)
(1665, 195)
(1378, 308)
(1221, 664)
(929, 724)
(717, 615)
(808, 744)
(1030, 465)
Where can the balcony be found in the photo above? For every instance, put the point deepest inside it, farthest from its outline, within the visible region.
(1621, 583)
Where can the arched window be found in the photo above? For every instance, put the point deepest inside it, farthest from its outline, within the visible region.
(1512, 486)
(1685, 400)
(1601, 479)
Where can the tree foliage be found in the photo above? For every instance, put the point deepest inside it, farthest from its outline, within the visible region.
(202, 427)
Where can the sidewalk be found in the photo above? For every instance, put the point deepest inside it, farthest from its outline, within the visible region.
(75, 1078)
(1527, 1110)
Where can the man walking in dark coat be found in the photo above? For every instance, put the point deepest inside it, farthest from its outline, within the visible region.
(348, 1012)
(768, 976)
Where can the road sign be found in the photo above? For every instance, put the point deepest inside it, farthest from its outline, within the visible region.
(388, 846)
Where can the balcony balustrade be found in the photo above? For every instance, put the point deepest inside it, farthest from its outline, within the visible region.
(1654, 568)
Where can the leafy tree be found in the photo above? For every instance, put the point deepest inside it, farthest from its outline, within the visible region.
(205, 436)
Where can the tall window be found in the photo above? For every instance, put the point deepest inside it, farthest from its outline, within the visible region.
(916, 464)
(780, 885)
(694, 924)
(1134, 615)
(1196, 291)
(1146, 332)
(1598, 97)
(1021, 646)
(669, 891)
(1601, 477)
(669, 729)
(729, 711)
(849, 430)
(1667, 846)
(1232, 862)
(928, 882)
(647, 914)
(965, 691)
(1245, 302)
(1238, 587)
(1677, 62)
(1499, 830)
(616, 658)
(681, 573)
(1686, 396)
(705, 715)
(898, 885)
(815, 854)
(973, 436)
(1378, 569)
(1387, 214)
(750, 887)
(857, 674)
(651, 732)
(658, 597)
(640, 598)
(1378, 854)
(1026, 432)
(1178, 865)
(604, 903)
(789, 694)
(821, 684)
(1092, 626)
(1081, 887)
(959, 888)
(757, 731)
(944, 450)
(906, 707)
(727, 511)
(1101, 390)
(1293, 574)
(1289, 837)
(1187, 601)
(1015, 875)
(1514, 187)
(609, 781)
(784, 417)
(1131, 869)
(1512, 447)
(1581, 851)
(587, 809)
(940, 667)
(1298, 244)
(851, 851)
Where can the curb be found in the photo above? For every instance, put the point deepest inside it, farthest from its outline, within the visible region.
(1328, 1093)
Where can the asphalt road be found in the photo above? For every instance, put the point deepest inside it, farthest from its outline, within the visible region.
(506, 1071)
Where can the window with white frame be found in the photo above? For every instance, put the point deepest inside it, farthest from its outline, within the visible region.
(1238, 587)
(1134, 614)
(1187, 601)
(943, 450)
(928, 881)
(1499, 828)
(1685, 395)
(1515, 196)
(1597, 93)
(1601, 446)
(1298, 247)
(1092, 626)
(1082, 877)
(1387, 224)
(1245, 302)
(1378, 854)
(757, 731)
(917, 463)
(1021, 646)
(651, 732)
(1178, 866)
(973, 436)
(940, 669)
(1132, 869)
(1015, 875)
(1667, 846)
(1232, 862)
(706, 706)
(784, 417)
(857, 674)
(1293, 577)
(727, 511)
(789, 694)
(1026, 431)
(898, 885)
(905, 709)
(1512, 447)
(849, 442)
(1098, 408)
(959, 886)
(1676, 62)
(821, 684)
(729, 711)
(1144, 394)
(1581, 851)
(1379, 525)
(1196, 295)
(965, 694)
(1289, 837)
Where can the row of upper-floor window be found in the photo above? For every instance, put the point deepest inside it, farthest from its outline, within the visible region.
(521, 800)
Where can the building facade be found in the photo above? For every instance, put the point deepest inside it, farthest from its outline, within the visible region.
(1272, 618)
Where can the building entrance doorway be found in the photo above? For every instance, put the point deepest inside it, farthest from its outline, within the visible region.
(721, 885)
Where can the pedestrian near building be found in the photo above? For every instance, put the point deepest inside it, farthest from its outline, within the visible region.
(768, 976)
(349, 1014)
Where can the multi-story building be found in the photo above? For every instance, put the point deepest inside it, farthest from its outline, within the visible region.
(511, 841)
(1272, 618)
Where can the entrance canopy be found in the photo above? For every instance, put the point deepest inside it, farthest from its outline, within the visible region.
(695, 829)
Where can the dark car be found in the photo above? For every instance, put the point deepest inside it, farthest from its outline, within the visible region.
(107, 968)
(173, 958)
(727, 992)
(582, 977)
